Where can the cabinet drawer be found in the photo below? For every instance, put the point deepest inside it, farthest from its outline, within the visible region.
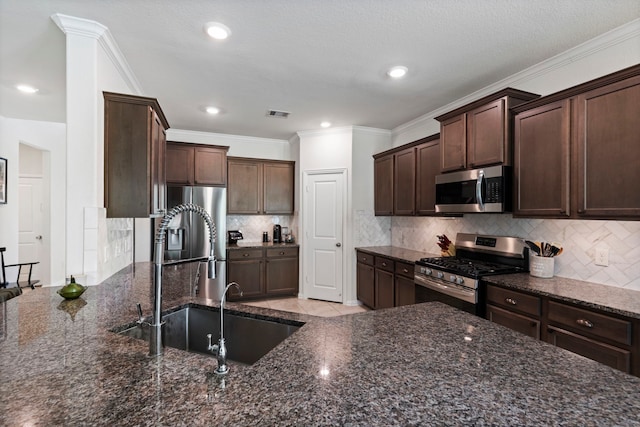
(513, 300)
(252, 253)
(585, 321)
(364, 258)
(282, 252)
(384, 263)
(404, 269)
(609, 355)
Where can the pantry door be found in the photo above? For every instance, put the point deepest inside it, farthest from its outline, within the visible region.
(324, 192)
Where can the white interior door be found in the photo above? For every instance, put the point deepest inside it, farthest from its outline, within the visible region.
(30, 225)
(323, 269)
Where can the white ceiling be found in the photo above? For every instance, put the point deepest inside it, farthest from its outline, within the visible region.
(318, 59)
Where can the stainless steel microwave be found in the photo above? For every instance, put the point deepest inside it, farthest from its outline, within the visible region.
(475, 191)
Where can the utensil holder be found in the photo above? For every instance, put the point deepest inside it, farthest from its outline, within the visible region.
(540, 266)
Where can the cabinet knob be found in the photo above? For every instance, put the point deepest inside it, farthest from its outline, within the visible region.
(384, 264)
(245, 254)
(404, 270)
(585, 323)
(511, 301)
(281, 252)
(338, 245)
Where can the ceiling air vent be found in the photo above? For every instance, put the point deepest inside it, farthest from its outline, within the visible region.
(277, 113)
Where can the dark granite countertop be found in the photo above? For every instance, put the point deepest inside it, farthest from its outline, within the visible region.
(243, 245)
(396, 253)
(611, 299)
(424, 364)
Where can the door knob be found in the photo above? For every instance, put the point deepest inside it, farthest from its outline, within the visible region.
(38, 237)
(338, 244)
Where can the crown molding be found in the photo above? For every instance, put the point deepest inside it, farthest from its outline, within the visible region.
(71, 25)
(588, 48)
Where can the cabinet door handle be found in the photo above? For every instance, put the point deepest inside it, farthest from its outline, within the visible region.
(585, 323)
(245, 254)
(511, 301)
(404, 270)
(384, 264)
(281, 252)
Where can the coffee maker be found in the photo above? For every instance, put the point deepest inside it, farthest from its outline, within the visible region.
(277, 234)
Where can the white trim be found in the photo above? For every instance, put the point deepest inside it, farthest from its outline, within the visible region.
(88, 28)
(588, 48)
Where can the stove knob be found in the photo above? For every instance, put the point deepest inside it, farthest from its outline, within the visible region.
(459, 280)
(428, 271)
(440, 274)
(452, 278)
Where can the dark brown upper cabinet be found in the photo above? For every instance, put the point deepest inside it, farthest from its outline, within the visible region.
(383, 184)
(480, 133)
(404, 182)
(134, 156)
(541, 161)
(427, 167)
(577, 151)
(256, 186)
(404, 178)
(194, 164)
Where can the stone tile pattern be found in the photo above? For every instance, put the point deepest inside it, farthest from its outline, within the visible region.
(425, 364)
(579, 238)
(252, 226)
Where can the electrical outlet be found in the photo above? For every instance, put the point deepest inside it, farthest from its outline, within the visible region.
(602, 257)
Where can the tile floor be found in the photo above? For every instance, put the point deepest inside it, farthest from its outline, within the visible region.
(308, 306)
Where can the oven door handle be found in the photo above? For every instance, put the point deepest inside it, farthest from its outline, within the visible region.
(479, 183)
(453, 291)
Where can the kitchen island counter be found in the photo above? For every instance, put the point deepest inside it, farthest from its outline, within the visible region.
(424, 364)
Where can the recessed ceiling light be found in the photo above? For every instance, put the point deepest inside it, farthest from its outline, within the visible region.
(397, 72)
(26, 88)
(217, 30)
(212, 110)
(325, 124)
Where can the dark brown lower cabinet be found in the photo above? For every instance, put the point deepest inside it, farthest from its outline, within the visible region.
(365, 281)
(262, 272)
(384, 289)
(383, 282)
(405, 288)
(613, 340)
(523, 324)
(281, 271)
(604, 353)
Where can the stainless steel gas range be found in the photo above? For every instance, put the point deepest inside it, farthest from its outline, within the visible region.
(456, 280)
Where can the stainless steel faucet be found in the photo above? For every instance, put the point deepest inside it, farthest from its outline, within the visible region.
(221, 349)
(156, 347)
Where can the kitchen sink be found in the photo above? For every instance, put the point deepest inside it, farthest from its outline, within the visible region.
(247, 338)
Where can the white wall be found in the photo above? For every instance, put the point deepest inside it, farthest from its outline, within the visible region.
(608, 53)
(239, 146)
(51, 138)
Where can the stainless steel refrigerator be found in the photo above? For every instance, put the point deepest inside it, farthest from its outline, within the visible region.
(188, 235)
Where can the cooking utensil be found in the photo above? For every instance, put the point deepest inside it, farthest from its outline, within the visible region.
(533, 246)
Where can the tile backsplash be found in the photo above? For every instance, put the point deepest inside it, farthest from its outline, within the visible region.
(579, 238)
(252, 226)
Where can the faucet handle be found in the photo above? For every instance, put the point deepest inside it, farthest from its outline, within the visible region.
(211, 347)
(140, 317)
